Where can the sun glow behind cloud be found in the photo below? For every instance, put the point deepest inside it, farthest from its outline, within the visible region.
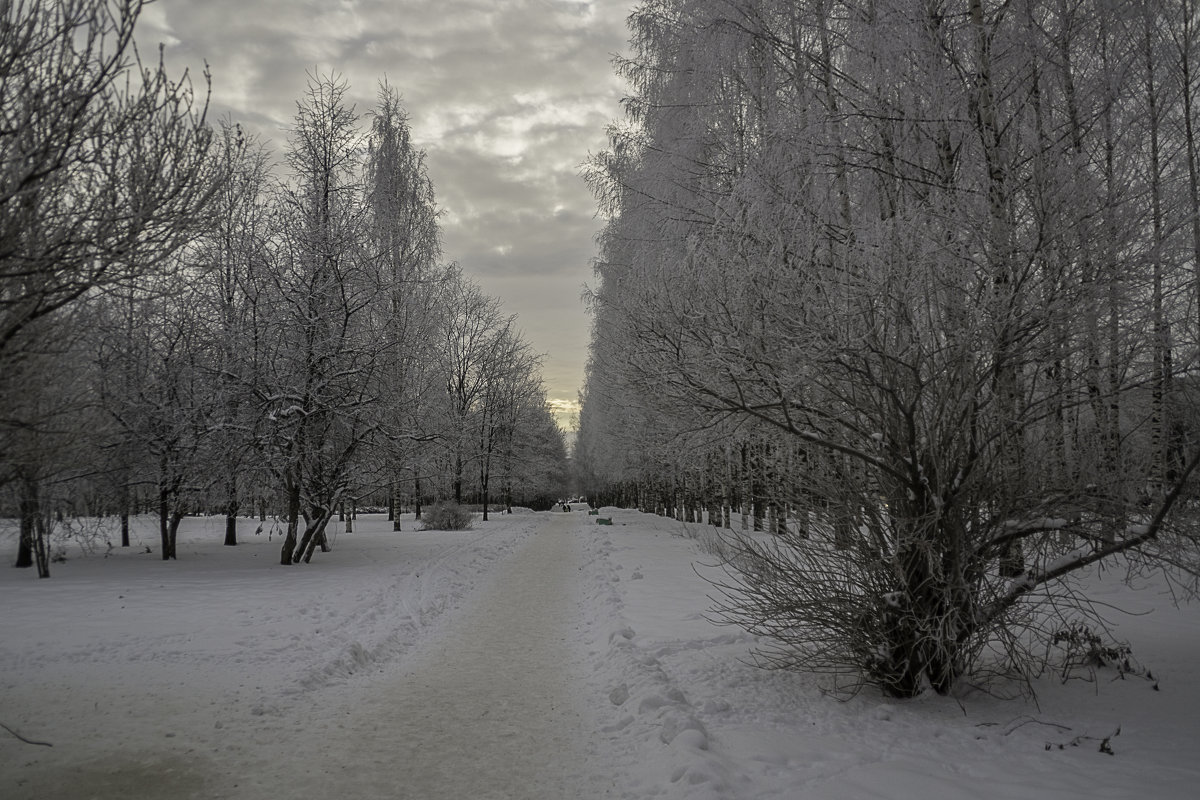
(566, 412)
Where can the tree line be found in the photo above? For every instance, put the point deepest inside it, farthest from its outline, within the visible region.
(184, 330)
(911, 288)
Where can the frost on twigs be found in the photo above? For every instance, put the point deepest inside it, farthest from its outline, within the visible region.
(447, 517)
(884, 597)
(1085, 650)
(925, 398)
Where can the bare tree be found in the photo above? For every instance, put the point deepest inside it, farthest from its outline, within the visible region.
(230, 256)
(153, 379)
(471, 326)
(104, 163)
(105, 174)
(319, 354)
(512, 385)
(50, 432)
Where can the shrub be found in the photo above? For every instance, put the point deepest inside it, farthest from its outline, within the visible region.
(446, 517)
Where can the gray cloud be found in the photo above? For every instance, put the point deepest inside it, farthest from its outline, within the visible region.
(506, 96)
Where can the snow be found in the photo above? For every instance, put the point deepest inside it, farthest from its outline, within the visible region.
(536, 656)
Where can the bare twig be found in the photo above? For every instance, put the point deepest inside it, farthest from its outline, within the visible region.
(1105, 742)
(22, 738)
(1022, 721)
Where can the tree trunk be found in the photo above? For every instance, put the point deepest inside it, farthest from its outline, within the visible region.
(458, 479)
(29, 512)
(727, 493)
(231, 512)
(289, 539)
(173, 521)
(125, 502)
(1162, 333)
(483, 485)
(417, 495)
(41, 544)
(1006, 372)
(311, 520)
(164, 522)
(314, 534)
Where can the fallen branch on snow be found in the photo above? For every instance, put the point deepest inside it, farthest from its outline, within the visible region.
(1105, 742)
(22, 738)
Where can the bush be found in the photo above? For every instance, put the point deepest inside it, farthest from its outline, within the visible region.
(446, 517)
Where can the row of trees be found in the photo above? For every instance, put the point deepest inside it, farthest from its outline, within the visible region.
(180, 329)
(913, 284)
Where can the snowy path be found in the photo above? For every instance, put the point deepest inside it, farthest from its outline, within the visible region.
(484, 710)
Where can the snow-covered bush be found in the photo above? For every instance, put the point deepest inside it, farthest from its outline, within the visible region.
(447, 517)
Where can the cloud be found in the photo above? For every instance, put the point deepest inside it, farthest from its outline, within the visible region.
(506, 96)
(564, 406)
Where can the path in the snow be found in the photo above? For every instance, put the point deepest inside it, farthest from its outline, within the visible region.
(487, 709)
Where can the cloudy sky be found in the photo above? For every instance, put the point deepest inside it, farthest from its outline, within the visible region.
(506, 96)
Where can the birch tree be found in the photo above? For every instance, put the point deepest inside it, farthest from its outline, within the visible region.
(405, 240)
(320, 354)
(911, 241)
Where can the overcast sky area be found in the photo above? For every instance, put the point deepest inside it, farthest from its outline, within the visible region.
(507, 97)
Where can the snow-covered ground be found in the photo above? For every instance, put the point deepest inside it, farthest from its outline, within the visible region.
(536, 656)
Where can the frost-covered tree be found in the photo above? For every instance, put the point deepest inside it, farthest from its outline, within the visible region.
(471, 326)
(319, 353)
(492, 405)
(512, 386)
(405, 241)
(105, 169)
(50, 433)
(230, 259)
(534, 469)
(153, 381)
(897, 260)
(105, 174)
